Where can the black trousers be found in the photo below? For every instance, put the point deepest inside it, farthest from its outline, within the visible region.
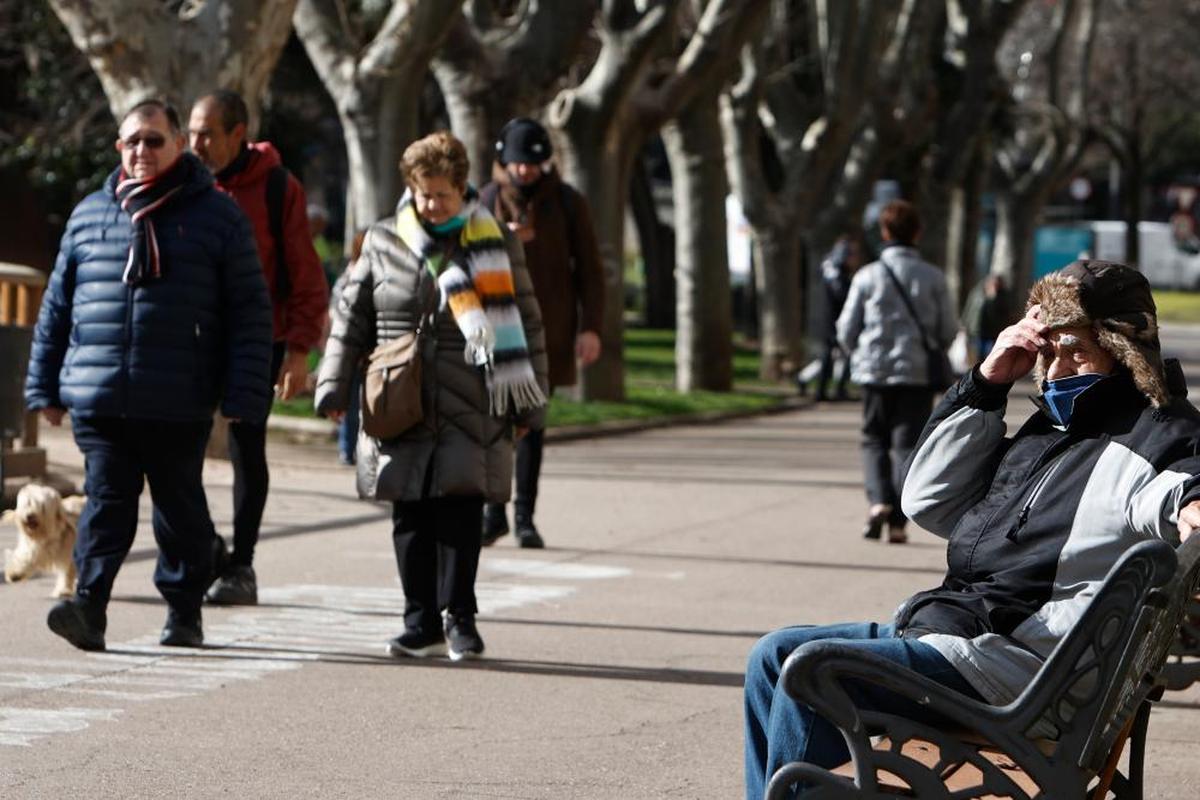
(437, 553)
(120, 456)
(251, 478)
(827, 358)
(893, 418)
(528, 471)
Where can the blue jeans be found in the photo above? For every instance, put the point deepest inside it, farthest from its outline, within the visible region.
(348, 427)
(779, 730)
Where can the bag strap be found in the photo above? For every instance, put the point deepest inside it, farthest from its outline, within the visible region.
(912, 312)
(277, 180)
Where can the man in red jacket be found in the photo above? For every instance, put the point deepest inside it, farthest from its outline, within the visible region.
(272, 198)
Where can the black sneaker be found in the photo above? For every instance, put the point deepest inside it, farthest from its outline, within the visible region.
(417, 644)
(527, 535)
(182, 630)
(237, 587)
(220, 559)
(80, 623)
(465, 641)
(495, 523)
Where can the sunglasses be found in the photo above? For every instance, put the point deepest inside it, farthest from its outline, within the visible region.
(153, 141)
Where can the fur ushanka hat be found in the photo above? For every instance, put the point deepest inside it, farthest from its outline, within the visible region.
(1115, 301)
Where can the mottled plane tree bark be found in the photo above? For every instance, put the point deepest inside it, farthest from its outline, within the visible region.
(179, 50)
(636, 85)
(374, 69)
(703, 302)
(968, 93)
(1047, 133)
(493, 66)
(801, 91)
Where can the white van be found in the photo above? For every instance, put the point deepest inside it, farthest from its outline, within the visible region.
(1161, 261)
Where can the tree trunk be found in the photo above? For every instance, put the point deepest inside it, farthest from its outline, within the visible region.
(777, 274)
(143, 49)
(1131, 187)
(476, 117)
(373, 152)
(375, 86)
(704, 319)
(603, 177)
(963, 232)
(657, 243)
(1016, 223)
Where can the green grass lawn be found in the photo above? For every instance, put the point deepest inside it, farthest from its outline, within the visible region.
(1177, 306)
(649, 388)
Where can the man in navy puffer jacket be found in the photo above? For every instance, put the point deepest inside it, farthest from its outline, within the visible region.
(156, 312)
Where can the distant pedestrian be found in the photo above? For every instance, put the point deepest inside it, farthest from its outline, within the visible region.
(988, 311)
(349, 424)
(156, 312)
(443, 265)
(272, 198)
(889, 357)
(553, 222)
(837, 270)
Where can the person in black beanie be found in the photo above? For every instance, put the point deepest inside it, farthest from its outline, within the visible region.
(552, 220)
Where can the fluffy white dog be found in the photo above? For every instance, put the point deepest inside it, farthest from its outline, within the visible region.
(46, 535)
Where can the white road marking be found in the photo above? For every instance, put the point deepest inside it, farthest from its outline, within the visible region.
(19, 727)
(293, 625)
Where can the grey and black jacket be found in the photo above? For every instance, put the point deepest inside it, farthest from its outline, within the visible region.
(1034, 521)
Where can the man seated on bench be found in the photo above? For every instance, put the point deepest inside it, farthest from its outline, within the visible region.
(1034, 521)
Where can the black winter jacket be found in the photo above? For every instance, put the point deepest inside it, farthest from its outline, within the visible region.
(169, 348)
(1036, 520)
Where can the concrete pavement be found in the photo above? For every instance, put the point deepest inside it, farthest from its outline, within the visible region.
(615, 656)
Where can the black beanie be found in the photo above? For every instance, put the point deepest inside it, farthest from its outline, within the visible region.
(523, 141)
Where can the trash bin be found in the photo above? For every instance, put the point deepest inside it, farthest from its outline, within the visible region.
(14, 358)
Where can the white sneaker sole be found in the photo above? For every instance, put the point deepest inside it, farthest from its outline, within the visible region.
(396, 651)
(466, 655)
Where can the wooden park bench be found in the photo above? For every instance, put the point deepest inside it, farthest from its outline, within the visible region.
(1092, 695)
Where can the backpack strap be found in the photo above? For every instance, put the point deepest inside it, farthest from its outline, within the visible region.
(277, 180)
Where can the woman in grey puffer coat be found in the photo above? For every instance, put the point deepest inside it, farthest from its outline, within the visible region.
(439, 472)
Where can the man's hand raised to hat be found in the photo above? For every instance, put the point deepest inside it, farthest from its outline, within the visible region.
(1016, 349)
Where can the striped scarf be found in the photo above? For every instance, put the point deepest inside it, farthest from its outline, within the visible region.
(481, 298)
(140, 199)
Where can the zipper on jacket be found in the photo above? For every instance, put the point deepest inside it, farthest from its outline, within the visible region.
(1038, 488)
(128, 339)
(1042, 459)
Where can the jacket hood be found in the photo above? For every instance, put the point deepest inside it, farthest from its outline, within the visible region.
(262, 157)
(196, 177)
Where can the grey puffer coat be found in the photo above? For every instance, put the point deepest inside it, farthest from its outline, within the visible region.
(460, 449)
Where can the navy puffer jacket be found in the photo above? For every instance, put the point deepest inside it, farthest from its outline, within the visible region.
(169, 348)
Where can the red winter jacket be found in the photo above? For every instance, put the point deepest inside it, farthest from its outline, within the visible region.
(300, 318)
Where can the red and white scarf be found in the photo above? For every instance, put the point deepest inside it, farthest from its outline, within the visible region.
(141, 198)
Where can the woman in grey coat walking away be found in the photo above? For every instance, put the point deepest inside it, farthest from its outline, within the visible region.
(483, 380)
(898, 309)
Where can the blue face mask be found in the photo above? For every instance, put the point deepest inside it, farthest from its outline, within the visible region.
(1060, 394)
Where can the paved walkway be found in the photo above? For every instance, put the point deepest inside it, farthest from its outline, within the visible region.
(615, 655)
